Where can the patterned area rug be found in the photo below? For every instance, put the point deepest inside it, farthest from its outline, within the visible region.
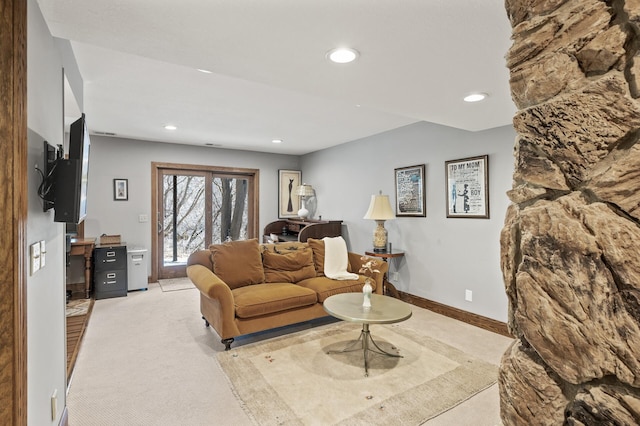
(175, 284)
(77, 307)
(292, 380)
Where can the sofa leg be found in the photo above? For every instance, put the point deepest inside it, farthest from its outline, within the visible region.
(206, 323)
(227, 343)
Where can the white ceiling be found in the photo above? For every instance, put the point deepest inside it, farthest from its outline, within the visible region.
(418, 58)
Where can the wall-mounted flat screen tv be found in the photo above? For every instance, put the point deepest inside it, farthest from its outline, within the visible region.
(72, 176)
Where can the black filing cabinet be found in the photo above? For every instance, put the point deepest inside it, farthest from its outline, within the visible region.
(110, 271)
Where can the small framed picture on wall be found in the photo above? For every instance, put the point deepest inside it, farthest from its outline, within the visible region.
(121, 189)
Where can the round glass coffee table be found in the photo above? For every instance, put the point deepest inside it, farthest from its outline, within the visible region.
(384, 310)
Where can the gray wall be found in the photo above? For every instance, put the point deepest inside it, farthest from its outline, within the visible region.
(46, 361)
(444, 257)
(112, 158)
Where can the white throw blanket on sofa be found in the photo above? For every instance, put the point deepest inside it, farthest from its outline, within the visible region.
(336, 259)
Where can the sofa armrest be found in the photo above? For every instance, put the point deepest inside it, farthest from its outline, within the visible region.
(356, 262)
(220, 312)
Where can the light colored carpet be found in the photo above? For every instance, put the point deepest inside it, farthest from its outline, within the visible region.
(176, 284)
(148, 360)
(77, 307)
(292, 380)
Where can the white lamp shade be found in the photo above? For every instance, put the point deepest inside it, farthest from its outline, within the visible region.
(304, 190)
(380, 208)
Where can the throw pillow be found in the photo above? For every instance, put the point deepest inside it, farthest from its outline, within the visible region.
(289, 267)
(238, 263)
(317, 246)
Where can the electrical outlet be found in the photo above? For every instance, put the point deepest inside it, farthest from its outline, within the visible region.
(35, 257)
(43, 252)
(394, 276)
(468, 295)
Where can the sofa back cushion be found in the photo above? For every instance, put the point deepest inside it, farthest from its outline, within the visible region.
(238, 263)
(317, 246)
(289, 266)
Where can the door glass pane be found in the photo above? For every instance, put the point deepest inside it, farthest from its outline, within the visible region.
(230, 218)
(184, 217)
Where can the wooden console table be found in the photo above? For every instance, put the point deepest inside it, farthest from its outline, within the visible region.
(84, 247)
(301, 230)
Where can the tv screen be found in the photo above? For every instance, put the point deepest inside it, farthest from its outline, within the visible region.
(72, 176)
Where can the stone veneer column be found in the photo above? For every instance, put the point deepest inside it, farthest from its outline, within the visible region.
(570, 246)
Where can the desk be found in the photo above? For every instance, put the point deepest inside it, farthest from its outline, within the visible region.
(84, 247)
(385, 282)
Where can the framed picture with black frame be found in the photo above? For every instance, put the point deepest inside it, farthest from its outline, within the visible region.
(288, 201)
(410, 191)
(121, 189)
(467, 186)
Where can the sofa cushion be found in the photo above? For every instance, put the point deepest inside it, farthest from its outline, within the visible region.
(262, 299)
(238, 263)
(288, 267)
(326, 287)
(317, 246)
(284, 247)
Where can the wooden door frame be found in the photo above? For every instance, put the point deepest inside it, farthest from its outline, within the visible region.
(13, 211)
(254, 197)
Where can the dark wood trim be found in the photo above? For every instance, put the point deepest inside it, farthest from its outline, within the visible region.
(13, 211)
(489, 324)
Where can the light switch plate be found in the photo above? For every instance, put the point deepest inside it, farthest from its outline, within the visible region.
(142, 218)
(43, 252)
(35, 257)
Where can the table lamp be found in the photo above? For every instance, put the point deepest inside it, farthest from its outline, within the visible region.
(379, 210)
(304, 191)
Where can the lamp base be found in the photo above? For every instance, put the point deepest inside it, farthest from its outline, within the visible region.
(380, 237)
(303, 213)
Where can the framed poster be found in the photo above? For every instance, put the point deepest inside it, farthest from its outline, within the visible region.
(288, 201)
(121, 189)
(410, 191)
(467, 183)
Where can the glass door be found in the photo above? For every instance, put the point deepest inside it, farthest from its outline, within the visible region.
(182, 226)
(197, 208)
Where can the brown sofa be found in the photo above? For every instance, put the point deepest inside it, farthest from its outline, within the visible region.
(246, 287)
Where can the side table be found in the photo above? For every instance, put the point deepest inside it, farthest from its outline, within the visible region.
(387, 287)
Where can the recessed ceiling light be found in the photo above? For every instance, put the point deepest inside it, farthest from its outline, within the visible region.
(342, 55)
(170, 127)
(204, 71)
(475, 97)
(276, 141)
